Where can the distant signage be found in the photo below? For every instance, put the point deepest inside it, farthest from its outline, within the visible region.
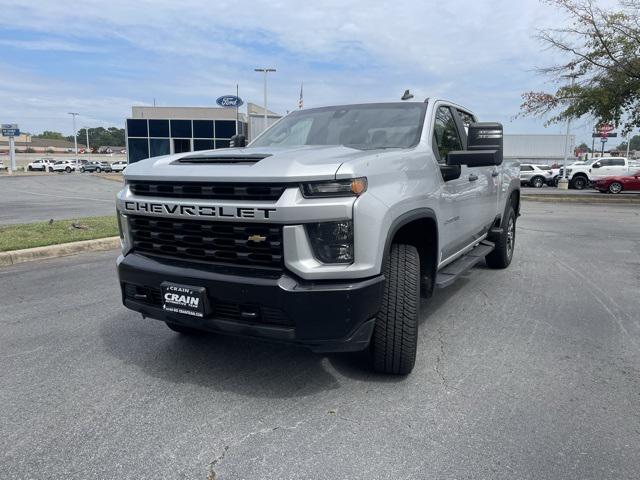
(604, 135)
(10, 130)
(605, 128)
(229, 101)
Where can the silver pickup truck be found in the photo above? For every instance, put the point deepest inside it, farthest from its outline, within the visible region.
(325, 231)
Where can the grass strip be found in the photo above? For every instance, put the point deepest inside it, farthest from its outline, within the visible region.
(40, 234)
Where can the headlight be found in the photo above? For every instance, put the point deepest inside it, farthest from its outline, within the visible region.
(332, 242)
(335, 188)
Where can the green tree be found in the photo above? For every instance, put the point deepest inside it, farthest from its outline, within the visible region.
(634, 143)
(602, 51)
(584, 147)
(100, 136)
(50, 135)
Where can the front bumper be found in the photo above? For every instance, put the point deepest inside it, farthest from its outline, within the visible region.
(324, 316)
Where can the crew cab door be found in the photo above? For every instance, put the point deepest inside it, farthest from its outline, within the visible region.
(608, 167)
(466, 201)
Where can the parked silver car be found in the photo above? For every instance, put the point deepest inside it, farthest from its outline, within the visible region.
(535, 175)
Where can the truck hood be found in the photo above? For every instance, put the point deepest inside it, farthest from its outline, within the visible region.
(266, 164)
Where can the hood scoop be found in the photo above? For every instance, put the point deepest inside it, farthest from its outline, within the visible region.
(246, 159)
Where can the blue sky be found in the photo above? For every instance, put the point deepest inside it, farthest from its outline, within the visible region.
(100, 58)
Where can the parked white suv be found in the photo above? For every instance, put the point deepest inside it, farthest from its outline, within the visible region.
(63, 166)
(41, 164)
(119, 166)
(535, 175)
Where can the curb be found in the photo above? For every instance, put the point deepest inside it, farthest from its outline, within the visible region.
(600, 198)
(61, 250)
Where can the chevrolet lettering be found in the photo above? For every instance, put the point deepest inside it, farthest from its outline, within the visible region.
(156, 208)
(326, 231)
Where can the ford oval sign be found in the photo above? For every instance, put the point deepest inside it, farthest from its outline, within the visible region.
(229, 101)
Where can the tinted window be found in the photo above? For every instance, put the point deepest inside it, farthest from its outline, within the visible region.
(202, 129)
(526, 168)
(618, 162)
(445, 133)
(544, 167)
(203, 144)
(138, 149)
(159, 128)
(222, 143)
(225, 128)
(136, 128)
(181, 128)
(159, 147)
(371, 126)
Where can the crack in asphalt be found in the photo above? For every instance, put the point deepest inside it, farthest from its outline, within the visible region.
(212, 475)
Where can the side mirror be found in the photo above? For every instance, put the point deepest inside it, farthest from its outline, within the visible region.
(450, 172)
(484, 146)
(238, 141)
(596, 165)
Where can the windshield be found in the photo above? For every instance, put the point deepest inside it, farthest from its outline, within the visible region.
(392, 125)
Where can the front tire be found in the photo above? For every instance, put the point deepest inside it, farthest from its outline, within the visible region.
(68, 169)
(615, 187)
(579, 183)
(98, 170)
(505, 243)
(395, 335)
(30, 168)
(183, 330)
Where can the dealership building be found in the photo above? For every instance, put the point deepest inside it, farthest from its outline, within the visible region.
(154, 131)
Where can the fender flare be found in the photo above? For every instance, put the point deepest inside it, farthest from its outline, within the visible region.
(405, 219)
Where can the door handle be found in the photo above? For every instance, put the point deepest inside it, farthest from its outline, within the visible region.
(495, 173)
(473, 177)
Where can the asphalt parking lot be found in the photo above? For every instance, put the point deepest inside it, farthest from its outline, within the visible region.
(38, 198)
(527, 373)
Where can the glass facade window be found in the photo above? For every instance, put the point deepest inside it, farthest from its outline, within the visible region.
(203, 129)
(138, 149)
(137, 128)
(181, 128)
(158, 128)
(225, 128)
(156, 137)
(201, 144)
(159, 146)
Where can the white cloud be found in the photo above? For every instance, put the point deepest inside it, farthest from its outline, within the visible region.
(478, 53)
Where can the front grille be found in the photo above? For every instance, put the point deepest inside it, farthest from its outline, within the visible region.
(242, 244)
(248, 313)
(208, 191)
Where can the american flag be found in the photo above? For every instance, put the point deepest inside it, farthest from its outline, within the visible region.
(301, 101)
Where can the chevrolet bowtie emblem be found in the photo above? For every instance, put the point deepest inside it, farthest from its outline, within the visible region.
(256, 238)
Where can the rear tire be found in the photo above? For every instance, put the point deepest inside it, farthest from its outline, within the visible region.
(615, 187)
(184, 330)
(30, 168)
(395, 335)
(505, 243)
(98, 170)
(537, 182)
(68, 169)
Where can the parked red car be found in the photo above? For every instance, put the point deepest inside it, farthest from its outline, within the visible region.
(619, 183)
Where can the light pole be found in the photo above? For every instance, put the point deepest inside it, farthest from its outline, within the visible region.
(75, 135)
(563, 183)
(265, 70)
(86, 129)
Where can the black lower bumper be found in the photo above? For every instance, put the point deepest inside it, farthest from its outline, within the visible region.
(324, 316)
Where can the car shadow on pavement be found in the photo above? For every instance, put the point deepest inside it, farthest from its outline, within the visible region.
(224, 363)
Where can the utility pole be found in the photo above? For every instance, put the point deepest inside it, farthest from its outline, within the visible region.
(628, 143)
(75, 137)
(265, 70)
(563, 183)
